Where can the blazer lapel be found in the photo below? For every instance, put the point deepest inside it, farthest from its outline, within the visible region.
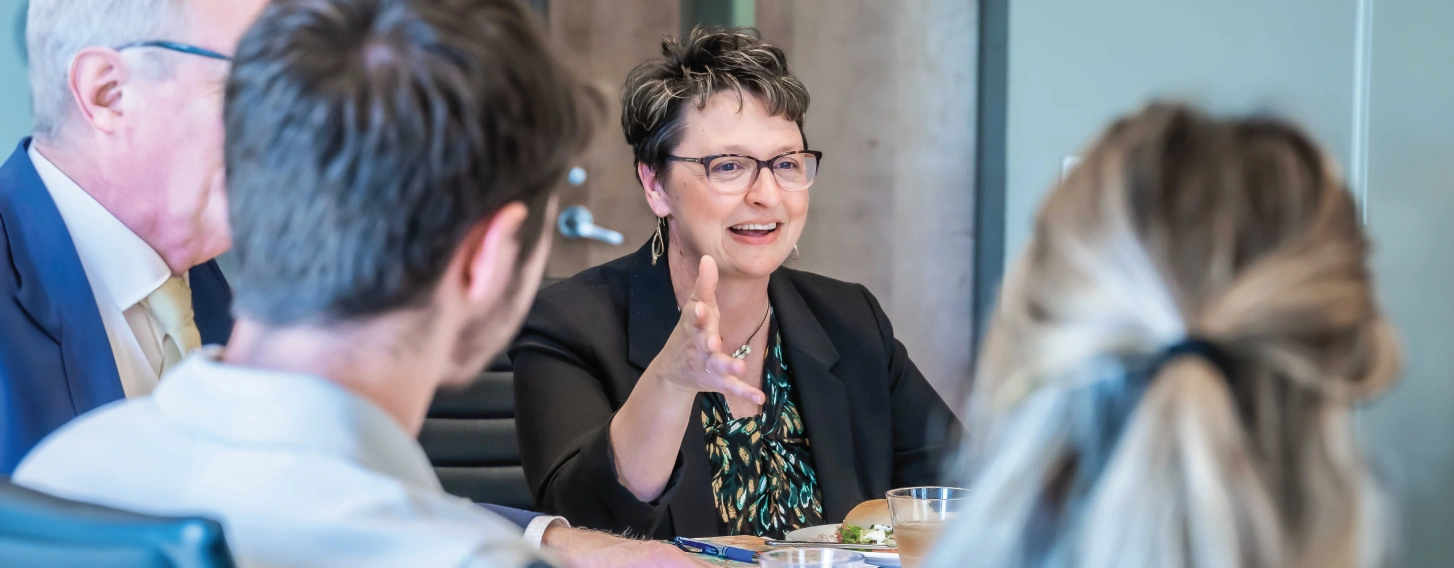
(53, 287)
(694, 510)
(822, 398)
(651, 316)
(651, 308)
(211, 302)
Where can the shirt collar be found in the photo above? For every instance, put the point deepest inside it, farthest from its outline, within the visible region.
(289, 412)
(116, 260)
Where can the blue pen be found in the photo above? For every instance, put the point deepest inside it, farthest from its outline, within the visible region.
(728, 552)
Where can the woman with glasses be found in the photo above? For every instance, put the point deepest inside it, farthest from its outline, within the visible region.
(697, 387)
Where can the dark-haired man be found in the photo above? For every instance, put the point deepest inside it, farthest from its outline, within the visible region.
(391, 167)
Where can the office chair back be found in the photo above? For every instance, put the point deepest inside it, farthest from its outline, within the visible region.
(41, 530)
(469, 437)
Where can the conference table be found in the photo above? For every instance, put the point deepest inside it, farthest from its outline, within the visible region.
(753, 543)
(756, 544)
(749, 542)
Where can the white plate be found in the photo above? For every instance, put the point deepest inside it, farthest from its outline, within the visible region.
(828, 533)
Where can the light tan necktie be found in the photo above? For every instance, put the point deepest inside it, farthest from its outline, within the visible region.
(172, 306)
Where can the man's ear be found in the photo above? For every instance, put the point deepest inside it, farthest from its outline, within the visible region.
(655, 194)
(98, 77)
(495, 243)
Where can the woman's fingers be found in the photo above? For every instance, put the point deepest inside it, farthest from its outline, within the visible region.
(702, 320)
(703, 327)
(739, 389)
(723, 366)
(724, 371)
(705, 289)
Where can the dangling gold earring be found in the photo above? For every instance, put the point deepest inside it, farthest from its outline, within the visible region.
(658, 242)
(796, 254)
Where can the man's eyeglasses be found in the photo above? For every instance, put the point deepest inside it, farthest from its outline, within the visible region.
(177, 47)
(731, 174)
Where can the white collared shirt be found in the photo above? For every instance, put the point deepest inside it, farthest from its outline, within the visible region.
(300, 471)
(122, 270)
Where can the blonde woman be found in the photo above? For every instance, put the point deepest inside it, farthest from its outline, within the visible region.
(1170, 372)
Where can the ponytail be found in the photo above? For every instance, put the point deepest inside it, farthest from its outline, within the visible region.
(1181, 489)
(1095, 445)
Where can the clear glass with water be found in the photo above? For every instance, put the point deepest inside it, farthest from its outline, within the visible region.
(919, 514)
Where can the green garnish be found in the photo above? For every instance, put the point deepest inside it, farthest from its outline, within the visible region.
(876, 534)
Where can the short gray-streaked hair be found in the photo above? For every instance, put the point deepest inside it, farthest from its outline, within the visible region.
(56, 30)
(690, 70)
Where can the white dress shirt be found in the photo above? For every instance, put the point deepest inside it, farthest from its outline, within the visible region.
(122, 269)
(300, 471)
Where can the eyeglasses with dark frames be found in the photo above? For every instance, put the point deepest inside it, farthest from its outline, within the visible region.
(731, 174)
(177, 47)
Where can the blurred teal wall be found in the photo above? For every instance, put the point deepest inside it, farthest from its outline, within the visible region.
(1410, 198)
(14, 84)
(1076, 65)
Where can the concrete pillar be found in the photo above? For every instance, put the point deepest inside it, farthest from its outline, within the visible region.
(893, 86)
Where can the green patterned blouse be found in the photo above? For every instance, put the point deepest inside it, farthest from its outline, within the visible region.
(763, 481)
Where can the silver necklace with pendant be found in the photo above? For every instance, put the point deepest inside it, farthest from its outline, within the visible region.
(746, 349)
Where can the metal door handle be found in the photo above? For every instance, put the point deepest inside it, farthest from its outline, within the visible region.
(578, 223)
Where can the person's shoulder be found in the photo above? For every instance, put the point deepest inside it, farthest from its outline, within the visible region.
(79, 453)
(8, 183)
(311, 519)
(594, 284)
(9, 280)
(16, 169)
(595, 294)
(818, 289)
(423, 522)
(847, 311)
(580, 311)
(27, 234)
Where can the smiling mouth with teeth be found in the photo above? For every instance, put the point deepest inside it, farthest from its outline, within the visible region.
(754, 230)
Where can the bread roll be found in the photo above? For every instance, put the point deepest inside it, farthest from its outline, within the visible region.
(869, 513)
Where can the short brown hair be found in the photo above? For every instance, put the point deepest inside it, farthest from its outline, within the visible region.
(366, 138)
(711, 60)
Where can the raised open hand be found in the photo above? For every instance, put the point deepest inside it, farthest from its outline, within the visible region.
(692, 358)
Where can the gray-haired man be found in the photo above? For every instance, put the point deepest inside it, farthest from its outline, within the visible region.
(113, 211)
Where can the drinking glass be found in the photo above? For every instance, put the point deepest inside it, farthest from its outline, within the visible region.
(919, 514)
(810, 558)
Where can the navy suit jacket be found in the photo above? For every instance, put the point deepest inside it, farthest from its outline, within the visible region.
(55, 359)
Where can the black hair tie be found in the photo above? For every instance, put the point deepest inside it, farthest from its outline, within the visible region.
(1193, 346)
(1111, 405)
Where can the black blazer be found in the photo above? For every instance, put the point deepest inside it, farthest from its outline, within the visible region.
(873, 422)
